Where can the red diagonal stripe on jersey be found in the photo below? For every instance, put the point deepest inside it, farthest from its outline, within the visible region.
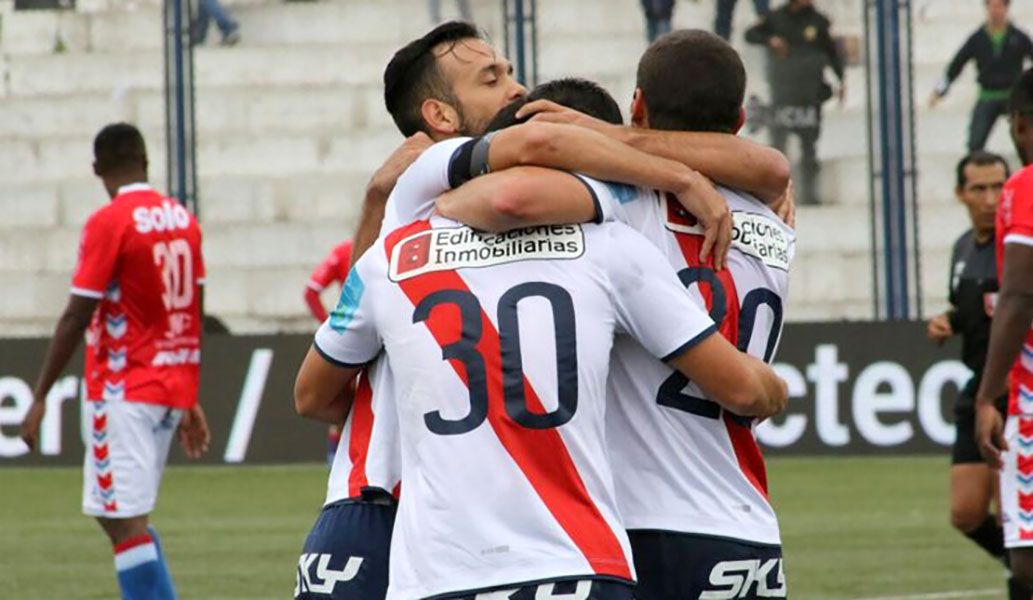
(539, 453)
(1026, 502)
(100, 452)
(744, 444)
(1025, 464)
(747, 452)
(100, 422)
(361, 432)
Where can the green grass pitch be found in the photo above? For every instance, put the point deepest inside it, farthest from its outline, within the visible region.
(853, 528)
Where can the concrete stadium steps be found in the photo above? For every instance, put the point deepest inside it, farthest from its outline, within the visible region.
(291, 125)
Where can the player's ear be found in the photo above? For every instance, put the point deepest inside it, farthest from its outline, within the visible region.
(441, 118)
(639, 113)
(741, 121)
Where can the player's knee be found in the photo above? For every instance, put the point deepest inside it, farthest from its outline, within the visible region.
(120, 530)
(967, 518)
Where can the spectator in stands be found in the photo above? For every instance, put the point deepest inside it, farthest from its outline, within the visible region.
(999, 49)
(800, 47)
(434, 6)
(725, 11)
(212, 9)
(658, 17)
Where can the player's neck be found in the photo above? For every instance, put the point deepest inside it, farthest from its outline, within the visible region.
(113, 183)
(996, 27)
(982, 236)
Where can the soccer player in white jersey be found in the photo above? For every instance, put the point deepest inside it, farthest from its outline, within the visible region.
(690, 478)
(345, 555)
(500, 348)
(447, 83)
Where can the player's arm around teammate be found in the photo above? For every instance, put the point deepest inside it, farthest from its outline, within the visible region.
(510, 197)
(721, 156)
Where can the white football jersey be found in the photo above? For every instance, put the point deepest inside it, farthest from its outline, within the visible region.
(500, 348)
(369, 454)
(682, 463)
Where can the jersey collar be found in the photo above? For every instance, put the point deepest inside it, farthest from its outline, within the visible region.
(134, 187)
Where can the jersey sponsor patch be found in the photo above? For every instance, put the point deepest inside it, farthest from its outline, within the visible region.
(451, 248)
(753, 234)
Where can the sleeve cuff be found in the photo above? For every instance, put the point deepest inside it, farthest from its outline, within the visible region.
(691, 343)
(87, 293)
(338, 363)
(1019, 238)
(599, 216)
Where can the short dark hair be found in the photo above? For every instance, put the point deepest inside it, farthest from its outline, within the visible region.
(980, 158)
(692, 80)
(119, 147)
(413, 76)
(579, 94)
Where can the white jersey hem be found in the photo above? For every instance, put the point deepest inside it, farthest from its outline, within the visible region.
(477, 582)
(695, 526)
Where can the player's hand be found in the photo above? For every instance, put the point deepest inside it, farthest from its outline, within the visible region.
(939, 328)
(785, 206)
(778, 45)
(193, 432)
(705, 203)
(30, 426)
(550, 112)
(990, 433)
(387, 175)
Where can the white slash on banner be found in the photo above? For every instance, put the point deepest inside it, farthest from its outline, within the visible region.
(247, 407)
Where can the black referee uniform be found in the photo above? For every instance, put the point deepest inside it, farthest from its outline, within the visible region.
(973, 287)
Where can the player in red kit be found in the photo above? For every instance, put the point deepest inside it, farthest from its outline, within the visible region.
(136, 294)
(1009, 363)
(333, 270)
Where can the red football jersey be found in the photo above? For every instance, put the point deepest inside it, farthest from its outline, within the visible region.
(333, 269)
(141, 257)
(1015, 226)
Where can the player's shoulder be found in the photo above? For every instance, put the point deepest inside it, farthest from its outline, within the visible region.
(743, 203)
(1023, 179)
(963, 243)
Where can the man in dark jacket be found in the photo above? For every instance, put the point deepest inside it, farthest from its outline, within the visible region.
(800, 47)
(999, 49)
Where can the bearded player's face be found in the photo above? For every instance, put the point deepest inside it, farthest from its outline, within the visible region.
(482, 82)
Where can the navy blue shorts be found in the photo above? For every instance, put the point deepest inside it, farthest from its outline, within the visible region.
(676, 566)
(585, 589)
(346, 554)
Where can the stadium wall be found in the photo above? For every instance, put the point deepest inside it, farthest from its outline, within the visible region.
(856, 388)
